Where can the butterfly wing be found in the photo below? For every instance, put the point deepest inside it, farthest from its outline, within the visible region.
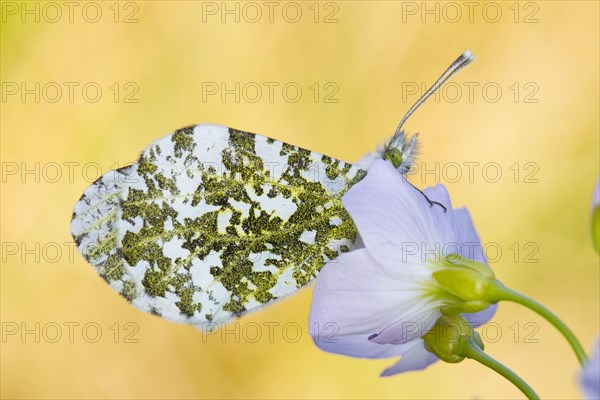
(213, 222)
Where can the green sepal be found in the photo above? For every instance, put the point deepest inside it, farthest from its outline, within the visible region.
(466, 307)
(458, 261)
(463, 283)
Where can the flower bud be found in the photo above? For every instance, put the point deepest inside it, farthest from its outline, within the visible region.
(445, 338)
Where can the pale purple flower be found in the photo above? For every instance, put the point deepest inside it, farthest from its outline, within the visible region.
(596, 196)
(590, 376)
(378, 301)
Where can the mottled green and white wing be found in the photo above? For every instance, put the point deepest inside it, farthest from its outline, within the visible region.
(212, 222)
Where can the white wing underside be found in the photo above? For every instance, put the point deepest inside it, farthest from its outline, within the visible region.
(211, 223)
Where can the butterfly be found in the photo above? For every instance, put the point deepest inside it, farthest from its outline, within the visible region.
(212, 222)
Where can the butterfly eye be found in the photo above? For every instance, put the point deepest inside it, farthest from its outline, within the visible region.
(394, 156)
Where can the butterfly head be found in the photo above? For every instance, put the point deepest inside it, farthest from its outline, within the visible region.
(401, 151)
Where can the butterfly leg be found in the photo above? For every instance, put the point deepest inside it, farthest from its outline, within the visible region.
(431, 202)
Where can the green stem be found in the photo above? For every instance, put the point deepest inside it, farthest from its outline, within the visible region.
(501, 292)
(469, 349)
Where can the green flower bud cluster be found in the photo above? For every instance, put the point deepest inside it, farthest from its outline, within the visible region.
(448, 337)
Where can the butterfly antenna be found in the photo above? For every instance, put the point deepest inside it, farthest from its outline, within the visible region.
(465, 59)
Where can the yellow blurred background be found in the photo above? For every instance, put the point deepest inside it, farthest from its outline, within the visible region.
(86, 86)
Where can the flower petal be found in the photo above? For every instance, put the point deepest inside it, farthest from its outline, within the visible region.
(410, 326)
(596, 195)
(358, 297)
(414, 358)
(590, 376)
(326, 338)
(444, 218)
(388, 210)
(374, 301)
(470, 244)
(439, 193)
